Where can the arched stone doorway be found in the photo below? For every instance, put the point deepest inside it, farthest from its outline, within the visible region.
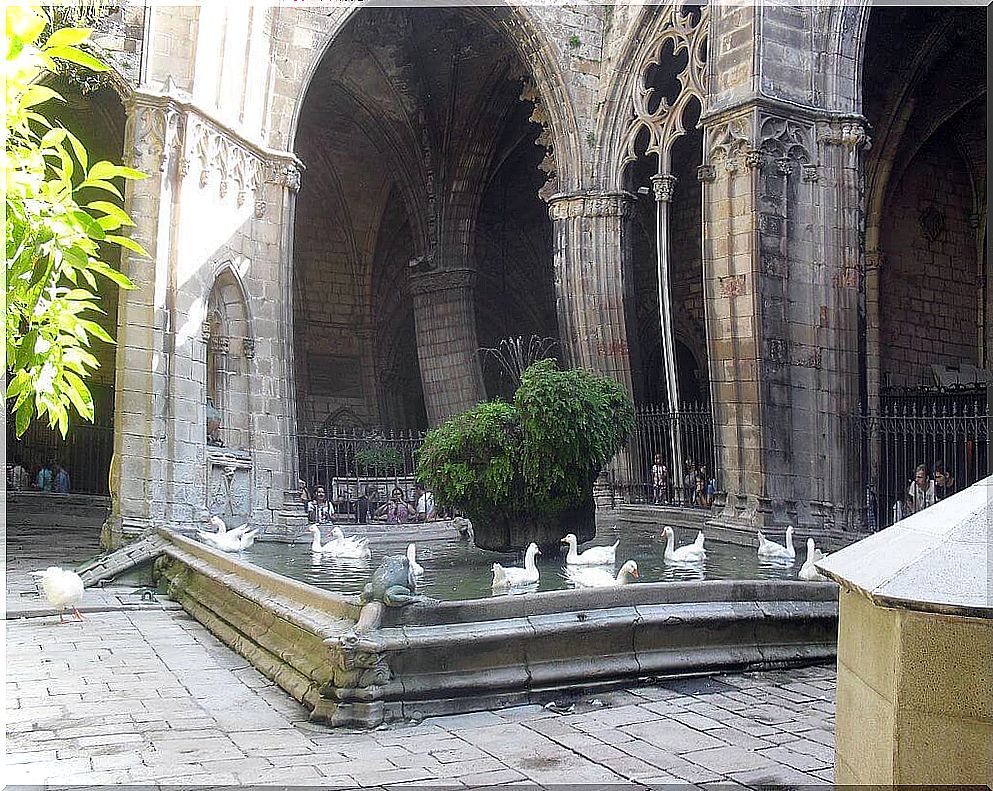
(924, 94)
(419, 236)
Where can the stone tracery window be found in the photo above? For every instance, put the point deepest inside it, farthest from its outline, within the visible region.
(230, 349)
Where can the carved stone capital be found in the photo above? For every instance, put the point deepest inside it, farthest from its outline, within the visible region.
(784, 166)
(809, 173)
(663, 186)
(248, 348)
(609, 204)
(442, 280)
(706, 173)
(752, 158)
(848, 133)
(288, 176)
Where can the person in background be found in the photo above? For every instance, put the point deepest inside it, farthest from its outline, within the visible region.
(44, 480)
(425, 503)
(362, 507)
(19, 478)
(61, 485)
(944, 483)
(710, 490)
(304, 495)
(397, 511)
(660, 481)
(319, 510)
(921, 492)
(689, 482)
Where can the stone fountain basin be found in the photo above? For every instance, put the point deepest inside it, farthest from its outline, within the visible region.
(357, 668)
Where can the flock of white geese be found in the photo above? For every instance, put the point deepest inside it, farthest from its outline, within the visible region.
(591, 568)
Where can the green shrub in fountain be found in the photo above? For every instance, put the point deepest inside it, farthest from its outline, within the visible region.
(378, 461)
(524, 471)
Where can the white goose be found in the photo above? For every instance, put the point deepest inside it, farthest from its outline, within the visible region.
(689, 553)
(62, 589)
(770, 549)
(229, 541)
(601, 578)
(349, 547)
(594, 556)
(504, 577)
(415, 568)
(808, 571)
(220, 528)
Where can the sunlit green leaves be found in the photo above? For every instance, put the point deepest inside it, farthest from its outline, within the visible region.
(55, 247)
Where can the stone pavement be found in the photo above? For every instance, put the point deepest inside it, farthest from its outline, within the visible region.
(134, 697)
(148, 695)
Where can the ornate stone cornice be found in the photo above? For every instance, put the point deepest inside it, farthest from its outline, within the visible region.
(442, 280)
(605, 204)
(168, 128)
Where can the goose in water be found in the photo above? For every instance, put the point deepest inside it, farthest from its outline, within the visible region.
(689, 553)
(594, 556)
(415, 568)
(229, 541)
(808, 571)
(504, 577)
(349, 547)
(601, 578)
(62, 589)
(770, 549)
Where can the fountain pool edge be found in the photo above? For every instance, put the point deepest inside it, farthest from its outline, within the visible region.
(451, 657)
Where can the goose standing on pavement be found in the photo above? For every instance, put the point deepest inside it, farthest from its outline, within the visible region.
(62, 588)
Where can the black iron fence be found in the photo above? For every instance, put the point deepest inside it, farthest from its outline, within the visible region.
(348, 461)
(85, 453)
(684, 443)
(950, 439)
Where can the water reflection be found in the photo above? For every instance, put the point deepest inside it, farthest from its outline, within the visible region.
(457, 570)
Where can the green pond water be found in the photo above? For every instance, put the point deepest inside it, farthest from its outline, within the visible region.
(455, 569)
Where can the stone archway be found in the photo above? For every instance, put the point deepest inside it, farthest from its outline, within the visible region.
(419, 235)
(926, 195)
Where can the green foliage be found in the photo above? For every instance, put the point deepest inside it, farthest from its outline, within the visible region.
(56, 246)
(378, 460)
(539, 455)
(574, 41)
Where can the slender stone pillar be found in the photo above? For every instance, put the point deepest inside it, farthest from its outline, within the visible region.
(447, 349)
(592, 283)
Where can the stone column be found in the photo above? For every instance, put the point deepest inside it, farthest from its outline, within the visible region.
(592, 284)
(139, 470)
(783, 279)
(447, 349)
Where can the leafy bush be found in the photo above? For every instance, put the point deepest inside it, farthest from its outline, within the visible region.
(378, 460)
(56, 247)
(537, 456)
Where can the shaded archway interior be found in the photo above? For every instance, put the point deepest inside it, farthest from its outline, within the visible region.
(924, 95)
(420, 157)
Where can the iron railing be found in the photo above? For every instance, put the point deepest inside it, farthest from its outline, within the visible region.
(690, 482)
(890, 444)
(85, 453)
(336, 454)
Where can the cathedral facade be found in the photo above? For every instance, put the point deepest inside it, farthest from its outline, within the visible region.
(776, 212)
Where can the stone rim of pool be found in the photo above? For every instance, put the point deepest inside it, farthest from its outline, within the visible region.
(446, 657)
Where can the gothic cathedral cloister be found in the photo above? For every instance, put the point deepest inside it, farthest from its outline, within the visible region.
(775, 212)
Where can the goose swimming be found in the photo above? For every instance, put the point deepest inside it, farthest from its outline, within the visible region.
(601, 578)
(770, 549)
(690, 553)
(509, 577)
(594, 556)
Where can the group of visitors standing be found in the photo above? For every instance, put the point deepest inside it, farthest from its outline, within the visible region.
(398, 510)
(925, 490)
(698, 488)
(50, 476)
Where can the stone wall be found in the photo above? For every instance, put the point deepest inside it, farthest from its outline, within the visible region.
(928, 280)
